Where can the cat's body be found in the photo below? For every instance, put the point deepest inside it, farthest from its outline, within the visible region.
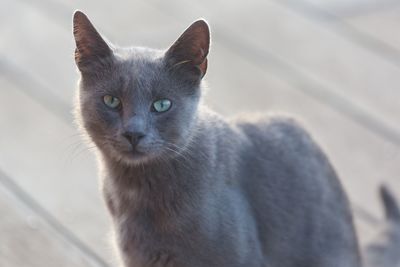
(188, 188)
(240, 196)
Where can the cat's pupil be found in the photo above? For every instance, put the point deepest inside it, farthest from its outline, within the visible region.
(111, 101)
(162, 105)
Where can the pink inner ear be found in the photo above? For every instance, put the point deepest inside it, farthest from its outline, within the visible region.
(192, 46)
(89, 43)
(203, 67)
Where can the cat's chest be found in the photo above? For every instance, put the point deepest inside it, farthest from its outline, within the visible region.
(146, 227)
(144, 242)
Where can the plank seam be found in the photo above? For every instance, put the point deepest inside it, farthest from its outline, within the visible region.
(52, 222)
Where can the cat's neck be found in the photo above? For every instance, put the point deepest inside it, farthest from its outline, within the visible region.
(163, 188)
(153, 173)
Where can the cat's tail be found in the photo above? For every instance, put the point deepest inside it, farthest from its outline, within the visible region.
(392, 209)
(385, 250)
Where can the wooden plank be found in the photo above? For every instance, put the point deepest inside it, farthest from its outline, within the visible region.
(47, 159)
(43, 45)
(382, 25)
(348, 8)
(39, 46)
(343, 27)
(28, 241)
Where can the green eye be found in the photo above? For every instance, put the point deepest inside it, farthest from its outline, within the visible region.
(111, 101)
(162, 105)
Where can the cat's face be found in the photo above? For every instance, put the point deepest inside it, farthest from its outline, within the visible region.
(139, 104)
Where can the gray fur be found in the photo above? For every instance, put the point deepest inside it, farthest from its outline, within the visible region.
(206, 191)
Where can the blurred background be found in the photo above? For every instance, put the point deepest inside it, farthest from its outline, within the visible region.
(333, 64)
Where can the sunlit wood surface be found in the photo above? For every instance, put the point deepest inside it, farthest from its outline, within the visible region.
(335, 65)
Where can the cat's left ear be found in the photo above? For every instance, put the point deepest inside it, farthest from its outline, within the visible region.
(91, 49)
(191, 49)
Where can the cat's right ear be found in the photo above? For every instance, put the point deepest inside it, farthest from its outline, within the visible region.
(91, 49)
(190, 51)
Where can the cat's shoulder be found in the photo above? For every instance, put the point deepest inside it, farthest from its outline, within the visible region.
(276, 128)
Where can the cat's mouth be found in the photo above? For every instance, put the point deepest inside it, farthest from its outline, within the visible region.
(137, 154)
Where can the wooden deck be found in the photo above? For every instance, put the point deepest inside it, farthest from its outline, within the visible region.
(333, 64)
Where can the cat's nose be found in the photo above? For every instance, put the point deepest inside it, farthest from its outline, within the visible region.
(133, 137)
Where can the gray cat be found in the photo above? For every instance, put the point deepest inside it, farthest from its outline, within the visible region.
(187, 187)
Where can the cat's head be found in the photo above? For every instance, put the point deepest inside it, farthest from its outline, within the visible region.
(139, 104)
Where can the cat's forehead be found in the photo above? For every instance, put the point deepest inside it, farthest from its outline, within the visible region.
(139, 63)
(138, 66)
(139, 59)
